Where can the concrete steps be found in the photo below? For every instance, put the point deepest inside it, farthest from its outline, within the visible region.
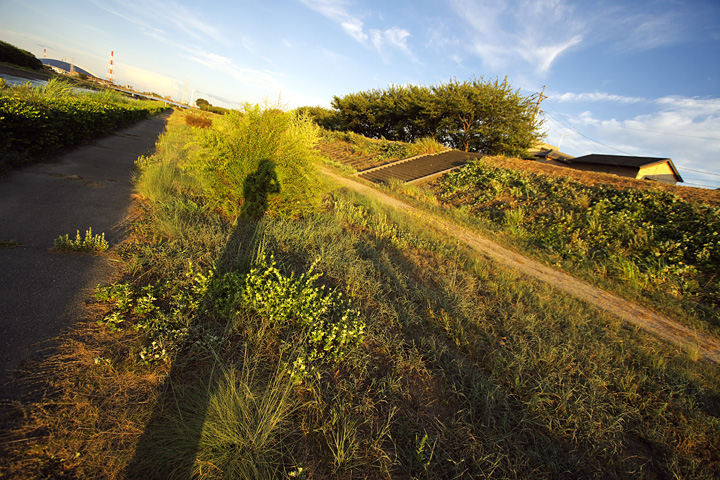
(418, 169)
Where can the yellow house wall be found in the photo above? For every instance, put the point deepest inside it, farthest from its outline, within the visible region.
(661, 172)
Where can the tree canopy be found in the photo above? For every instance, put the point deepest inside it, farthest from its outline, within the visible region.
(17, 56)
(206, 106)
(477, 116)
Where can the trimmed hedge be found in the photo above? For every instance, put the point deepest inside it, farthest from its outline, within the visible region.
(36, 127)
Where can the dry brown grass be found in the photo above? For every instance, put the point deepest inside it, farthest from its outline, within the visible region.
(93, 408)
(690, 194)
(198, 120)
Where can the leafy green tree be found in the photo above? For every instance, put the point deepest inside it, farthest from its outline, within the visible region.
(323, 117)
(202, 104)
(478, 116)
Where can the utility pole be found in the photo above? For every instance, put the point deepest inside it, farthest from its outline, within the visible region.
(541, 97)
(185, 93)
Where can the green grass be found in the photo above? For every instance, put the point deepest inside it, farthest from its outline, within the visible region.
(9, 244)
(384, 150)
(464, 369)
(648, 245)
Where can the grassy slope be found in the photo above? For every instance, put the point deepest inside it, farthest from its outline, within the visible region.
(466, 370)
(658, 245)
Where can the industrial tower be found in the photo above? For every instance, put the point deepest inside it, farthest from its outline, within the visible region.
(111, 73)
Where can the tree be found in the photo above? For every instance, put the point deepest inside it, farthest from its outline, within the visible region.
(478, 116)
(323, 117)
(202, 104)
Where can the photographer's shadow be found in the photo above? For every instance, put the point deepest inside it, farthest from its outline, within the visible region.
(170, 441)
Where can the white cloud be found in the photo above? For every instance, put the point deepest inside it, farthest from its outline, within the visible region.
(149, 14)
(354, 28)
(145, 80)
(534, 31)
(254, 85)
(250, 46)
(594, 97)
(245, 76)
(339, 11)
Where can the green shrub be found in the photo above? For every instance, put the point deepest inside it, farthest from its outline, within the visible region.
(246, 143)
(12, 54)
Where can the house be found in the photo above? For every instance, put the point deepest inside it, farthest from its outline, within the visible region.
(544, 152)
(641, 168)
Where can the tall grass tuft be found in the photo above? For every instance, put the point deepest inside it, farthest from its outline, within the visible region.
(230, 155)
(245, 423)
(231, 426)
(424, 146)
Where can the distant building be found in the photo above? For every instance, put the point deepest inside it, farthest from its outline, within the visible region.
(63, 67)
(641, 168)
(548, 153)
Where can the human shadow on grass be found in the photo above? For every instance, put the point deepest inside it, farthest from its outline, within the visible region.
(222, 399)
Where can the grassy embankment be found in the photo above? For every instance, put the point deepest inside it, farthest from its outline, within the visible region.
(646, 244)
(225, 353)
(35, 122)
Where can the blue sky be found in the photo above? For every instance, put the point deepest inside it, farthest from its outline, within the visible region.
(639, 78)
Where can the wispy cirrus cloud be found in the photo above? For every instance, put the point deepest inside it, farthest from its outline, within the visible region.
(257, 85)
(157, 15)
(502, 33)
(535, 33)
(245, 76)
(568, 97)
(340, 12)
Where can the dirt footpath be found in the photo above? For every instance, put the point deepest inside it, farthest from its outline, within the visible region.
(708, 347)
(43, 292)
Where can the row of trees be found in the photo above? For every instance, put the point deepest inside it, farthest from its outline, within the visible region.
(477, 116)
(206, 106)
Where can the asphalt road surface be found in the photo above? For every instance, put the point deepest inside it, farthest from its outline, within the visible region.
(42, 292)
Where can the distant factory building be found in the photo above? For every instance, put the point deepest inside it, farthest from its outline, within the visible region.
(65, 68)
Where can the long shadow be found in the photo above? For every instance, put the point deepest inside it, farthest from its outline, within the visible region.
(171, 439)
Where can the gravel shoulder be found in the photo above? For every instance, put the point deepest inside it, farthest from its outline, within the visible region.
(707, 347)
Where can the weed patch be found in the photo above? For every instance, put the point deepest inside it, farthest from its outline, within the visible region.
(89, 243)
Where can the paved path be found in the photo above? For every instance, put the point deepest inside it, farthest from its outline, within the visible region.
(42, 292)
(707, 346)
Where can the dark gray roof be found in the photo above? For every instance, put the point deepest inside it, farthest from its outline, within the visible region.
(64, 66)
(618, 160)
(624, 161)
